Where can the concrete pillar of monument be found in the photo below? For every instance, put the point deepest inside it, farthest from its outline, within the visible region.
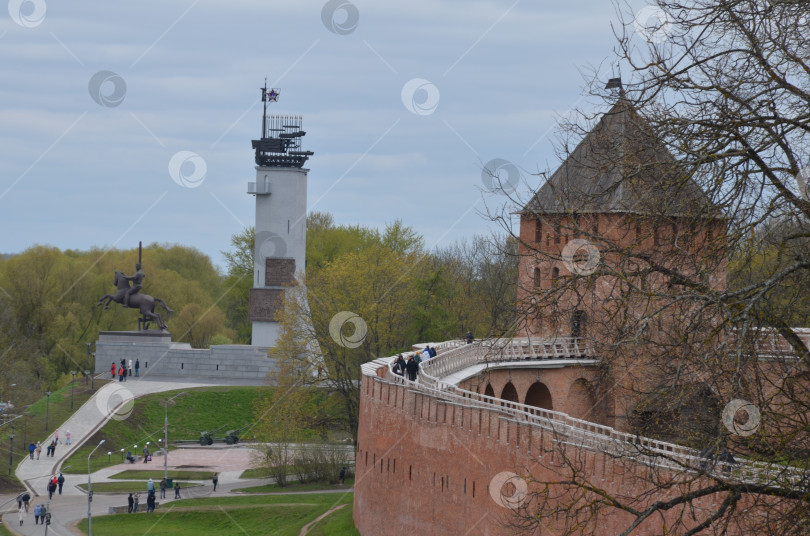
(281, 214)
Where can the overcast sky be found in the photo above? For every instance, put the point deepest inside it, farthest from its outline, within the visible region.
(403, 103)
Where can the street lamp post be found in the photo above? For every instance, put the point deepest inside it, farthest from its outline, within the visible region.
(72, 385)
(11, 454)
(47, 409)
(109, 453)
(166, 434)
(90, 492)
(90, 367)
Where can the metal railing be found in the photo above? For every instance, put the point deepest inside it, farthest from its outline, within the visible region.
(501, 350)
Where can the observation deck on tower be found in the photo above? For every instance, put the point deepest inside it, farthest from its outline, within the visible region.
(280, 144)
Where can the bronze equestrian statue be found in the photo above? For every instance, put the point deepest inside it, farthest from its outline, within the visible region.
(128, 296)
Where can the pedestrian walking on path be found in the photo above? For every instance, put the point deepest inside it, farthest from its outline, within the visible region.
(39, 449)
(150, 486)
(31, 449)
(130, 503)
(162, 488)
(216, 481)
(37, 511)
(67, 437)
(137, 500)
(137, 367)
(61, 482)
(150, 503)
(21, 516)
(177, 490)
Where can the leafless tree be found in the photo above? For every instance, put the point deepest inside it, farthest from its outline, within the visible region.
(688, 201)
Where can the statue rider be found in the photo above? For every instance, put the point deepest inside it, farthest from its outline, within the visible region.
(136, 279)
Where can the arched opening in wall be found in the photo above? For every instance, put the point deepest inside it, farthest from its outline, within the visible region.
(578, 324)
(509, 393)
(489, 391)
(539, 396)
(686, 414)
(580, 402)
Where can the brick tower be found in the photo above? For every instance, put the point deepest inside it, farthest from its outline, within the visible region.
(609, 242)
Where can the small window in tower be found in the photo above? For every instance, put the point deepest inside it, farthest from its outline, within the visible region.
(557, 233)
(577, 323)
(555, 275)
(548, 238)
(537, 278)
(538, 231)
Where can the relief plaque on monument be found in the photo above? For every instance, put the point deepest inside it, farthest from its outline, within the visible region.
(278, 272)
(264, 302)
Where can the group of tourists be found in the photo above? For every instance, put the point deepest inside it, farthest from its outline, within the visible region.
(50, 450)
(124, 370)
(134, 499)
(54, 483)
(410, 368)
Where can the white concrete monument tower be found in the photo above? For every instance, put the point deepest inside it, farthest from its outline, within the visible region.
(281, 217)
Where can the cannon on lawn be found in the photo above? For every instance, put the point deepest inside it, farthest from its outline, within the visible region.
(232, 436)
(207, 438)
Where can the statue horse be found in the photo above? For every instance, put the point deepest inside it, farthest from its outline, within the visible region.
(144, 302)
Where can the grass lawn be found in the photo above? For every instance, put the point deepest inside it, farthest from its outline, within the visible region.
(4, 531)
(31, 427)
(156, 475)
(205, 408)
(130, 487)
(297, 486)
(277, 515)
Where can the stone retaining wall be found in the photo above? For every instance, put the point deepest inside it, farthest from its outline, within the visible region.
(159, 356)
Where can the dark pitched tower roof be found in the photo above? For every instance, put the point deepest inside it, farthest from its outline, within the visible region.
(620, 166)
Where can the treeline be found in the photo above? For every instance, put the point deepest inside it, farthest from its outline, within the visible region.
(48, 307)
(374, 293)
(48, 297)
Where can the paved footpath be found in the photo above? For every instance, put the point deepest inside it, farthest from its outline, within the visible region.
(114, 400)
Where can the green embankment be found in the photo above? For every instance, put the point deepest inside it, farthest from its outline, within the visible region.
(296, 486)
(278, 515)
(129, 487)
(199, 409)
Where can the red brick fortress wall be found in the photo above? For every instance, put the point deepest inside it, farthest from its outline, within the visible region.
(425, 465)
